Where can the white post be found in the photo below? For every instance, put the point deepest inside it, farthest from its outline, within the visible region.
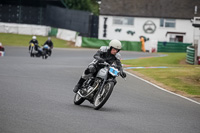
(196, 24)
(198, 49)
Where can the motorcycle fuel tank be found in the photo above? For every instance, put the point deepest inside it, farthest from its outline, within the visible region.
(102, 73)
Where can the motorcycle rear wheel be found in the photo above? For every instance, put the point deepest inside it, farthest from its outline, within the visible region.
(103, 96)
(78, 99)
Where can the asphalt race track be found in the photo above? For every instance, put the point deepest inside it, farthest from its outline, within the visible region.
(36, 97)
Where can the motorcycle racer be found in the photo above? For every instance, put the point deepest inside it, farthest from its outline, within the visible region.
(50, 44)
(109, 54)
(35, 42)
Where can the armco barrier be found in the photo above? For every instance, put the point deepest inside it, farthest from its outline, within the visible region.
(190, 55)
(97, 43)
(172, 47)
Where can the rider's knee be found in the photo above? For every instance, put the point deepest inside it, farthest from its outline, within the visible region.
(90, 69)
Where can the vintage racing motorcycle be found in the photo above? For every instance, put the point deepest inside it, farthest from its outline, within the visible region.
(36, 51)
(98, 89)
(45, 51)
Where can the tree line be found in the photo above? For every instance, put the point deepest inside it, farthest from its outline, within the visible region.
(85, 5)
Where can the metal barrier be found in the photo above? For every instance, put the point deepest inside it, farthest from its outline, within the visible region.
(190, 58)
(97, 43)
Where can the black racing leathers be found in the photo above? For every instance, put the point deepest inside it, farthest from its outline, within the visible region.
(35, 42)
(104, 54)
(49, 43)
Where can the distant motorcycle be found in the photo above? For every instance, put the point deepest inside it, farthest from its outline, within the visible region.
(45, 51)
(49, 49)
(36, 51)
(33, 50)
(98, 89)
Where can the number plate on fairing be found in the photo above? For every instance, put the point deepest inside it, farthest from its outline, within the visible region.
(113, 71)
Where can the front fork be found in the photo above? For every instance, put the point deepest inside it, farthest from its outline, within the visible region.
(101, 90)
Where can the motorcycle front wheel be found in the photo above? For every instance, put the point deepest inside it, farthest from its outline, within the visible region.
(78, 99)
(31, 54)
(103, 96)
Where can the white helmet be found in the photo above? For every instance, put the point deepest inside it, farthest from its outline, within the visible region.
(115, 44)
(34, 37)
(0, 44)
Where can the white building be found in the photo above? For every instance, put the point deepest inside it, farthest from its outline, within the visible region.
(162, 20)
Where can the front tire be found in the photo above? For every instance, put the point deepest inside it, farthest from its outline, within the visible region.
(78, 99)
(101, 99)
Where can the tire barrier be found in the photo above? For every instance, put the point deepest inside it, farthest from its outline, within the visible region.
(172, 47)
(190, 58)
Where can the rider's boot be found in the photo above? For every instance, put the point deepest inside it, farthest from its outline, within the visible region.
(78, 86)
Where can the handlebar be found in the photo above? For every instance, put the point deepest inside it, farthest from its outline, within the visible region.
(107, 64)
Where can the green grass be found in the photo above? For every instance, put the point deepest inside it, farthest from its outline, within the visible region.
(181, 77)
(172, 59)
(23, 40)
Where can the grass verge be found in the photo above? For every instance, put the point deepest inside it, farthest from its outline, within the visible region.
(8, 39)
(179, 77)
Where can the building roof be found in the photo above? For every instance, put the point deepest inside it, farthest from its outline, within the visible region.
(179, 9)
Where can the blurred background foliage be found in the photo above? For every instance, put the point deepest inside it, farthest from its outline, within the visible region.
(85, 5)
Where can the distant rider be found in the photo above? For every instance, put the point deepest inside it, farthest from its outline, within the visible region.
(50, 44)
(107, 54)
(2, 50)
(35, 42)
(1, 47)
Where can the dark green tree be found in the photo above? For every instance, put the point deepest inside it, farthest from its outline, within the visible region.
(85, 5)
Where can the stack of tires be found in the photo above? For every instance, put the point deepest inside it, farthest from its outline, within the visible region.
(190, 55)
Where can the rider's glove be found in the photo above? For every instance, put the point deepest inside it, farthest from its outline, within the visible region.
(123, 74)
